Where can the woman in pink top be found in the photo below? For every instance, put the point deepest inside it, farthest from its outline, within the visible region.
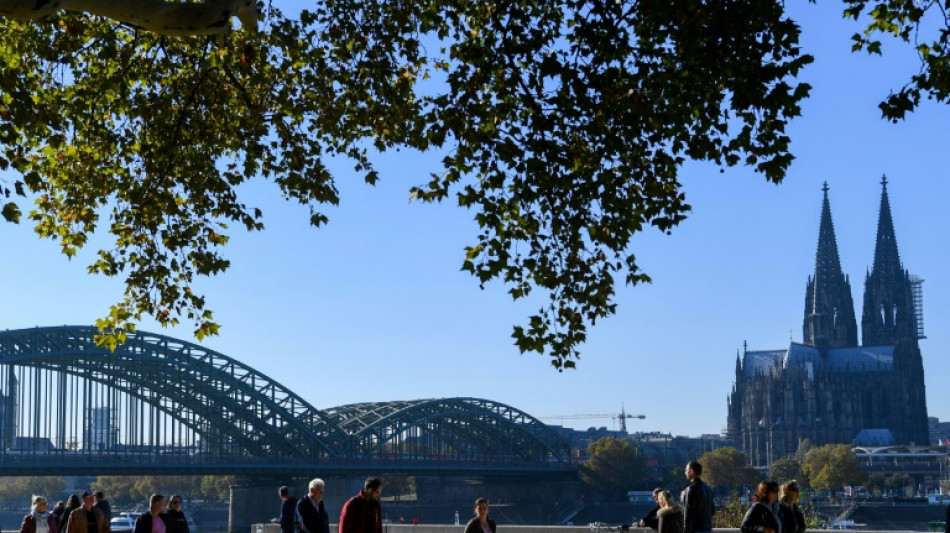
(151, 521)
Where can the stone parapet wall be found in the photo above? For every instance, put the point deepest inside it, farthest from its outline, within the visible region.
(502, 528)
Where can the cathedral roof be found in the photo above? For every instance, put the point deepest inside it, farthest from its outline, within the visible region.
(861, 359)
(874, 437)
(762, 362)
(851, 360)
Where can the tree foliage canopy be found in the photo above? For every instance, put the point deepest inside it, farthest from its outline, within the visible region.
(18, 490)
(832, 466)
(875, 483)
(925, 26)
(901, 483)
(401, 486)
(562, 125)
(729, 513)
(727, 467)
(785, 469)
(138, 489)
(614, 467)
(805, 446)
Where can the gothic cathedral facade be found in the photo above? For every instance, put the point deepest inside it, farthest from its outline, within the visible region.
(830, 389)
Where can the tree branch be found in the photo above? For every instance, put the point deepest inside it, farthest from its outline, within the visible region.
(158, 16)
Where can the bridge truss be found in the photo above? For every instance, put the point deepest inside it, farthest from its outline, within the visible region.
(164, 405)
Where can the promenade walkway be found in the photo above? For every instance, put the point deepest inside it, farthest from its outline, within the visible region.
(448, 528)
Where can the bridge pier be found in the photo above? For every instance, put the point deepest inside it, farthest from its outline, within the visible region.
(248, 506)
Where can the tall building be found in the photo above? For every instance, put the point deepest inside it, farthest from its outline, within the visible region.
(101, 432)
(830, 389)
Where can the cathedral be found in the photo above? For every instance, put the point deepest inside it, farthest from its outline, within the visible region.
(830, 389)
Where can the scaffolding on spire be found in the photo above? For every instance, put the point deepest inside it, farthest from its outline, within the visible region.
(917, 291)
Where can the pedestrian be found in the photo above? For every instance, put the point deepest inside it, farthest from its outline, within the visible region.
(151, 521)
(102, 504)
(650, 520)
(72, 503)
(670, 517)
(761, 517)
(362, 513)
(57, 513)
(790, 514)
(87, 519)
(288, 511)
(481, 523)
(39, 520)
(698, 501)
(311, 515)
(174, 517)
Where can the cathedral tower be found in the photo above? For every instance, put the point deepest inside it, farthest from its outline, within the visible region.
(829, 310)
(830, 389)
(890, 319)
(888, 298)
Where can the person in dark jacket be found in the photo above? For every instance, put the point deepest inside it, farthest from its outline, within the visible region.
(790, 514)
(151, 521)
(481, 523)
(72, 503)
(101, 503)
(38, 520)
(311, 516)
(174, 517)
(362, 513)
(698, 501)
(650, 520)
(57, 513)
(761, 517)
(670, 517)
(288, 511)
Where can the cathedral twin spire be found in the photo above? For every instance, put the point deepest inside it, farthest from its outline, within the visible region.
(829, 308)
(888, 299)
(887, 262)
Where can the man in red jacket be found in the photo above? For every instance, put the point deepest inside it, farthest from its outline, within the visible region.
(362, 513)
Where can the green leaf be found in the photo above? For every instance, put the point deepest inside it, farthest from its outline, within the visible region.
(11, 213)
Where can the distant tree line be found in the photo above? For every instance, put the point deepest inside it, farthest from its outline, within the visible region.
(16, 491)
(616, 466)
(136, 489)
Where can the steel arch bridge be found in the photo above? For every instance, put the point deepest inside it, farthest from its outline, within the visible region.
(162, 405)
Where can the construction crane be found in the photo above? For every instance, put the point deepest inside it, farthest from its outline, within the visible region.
(622, 417)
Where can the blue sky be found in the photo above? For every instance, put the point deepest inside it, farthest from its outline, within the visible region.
(373, 306)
